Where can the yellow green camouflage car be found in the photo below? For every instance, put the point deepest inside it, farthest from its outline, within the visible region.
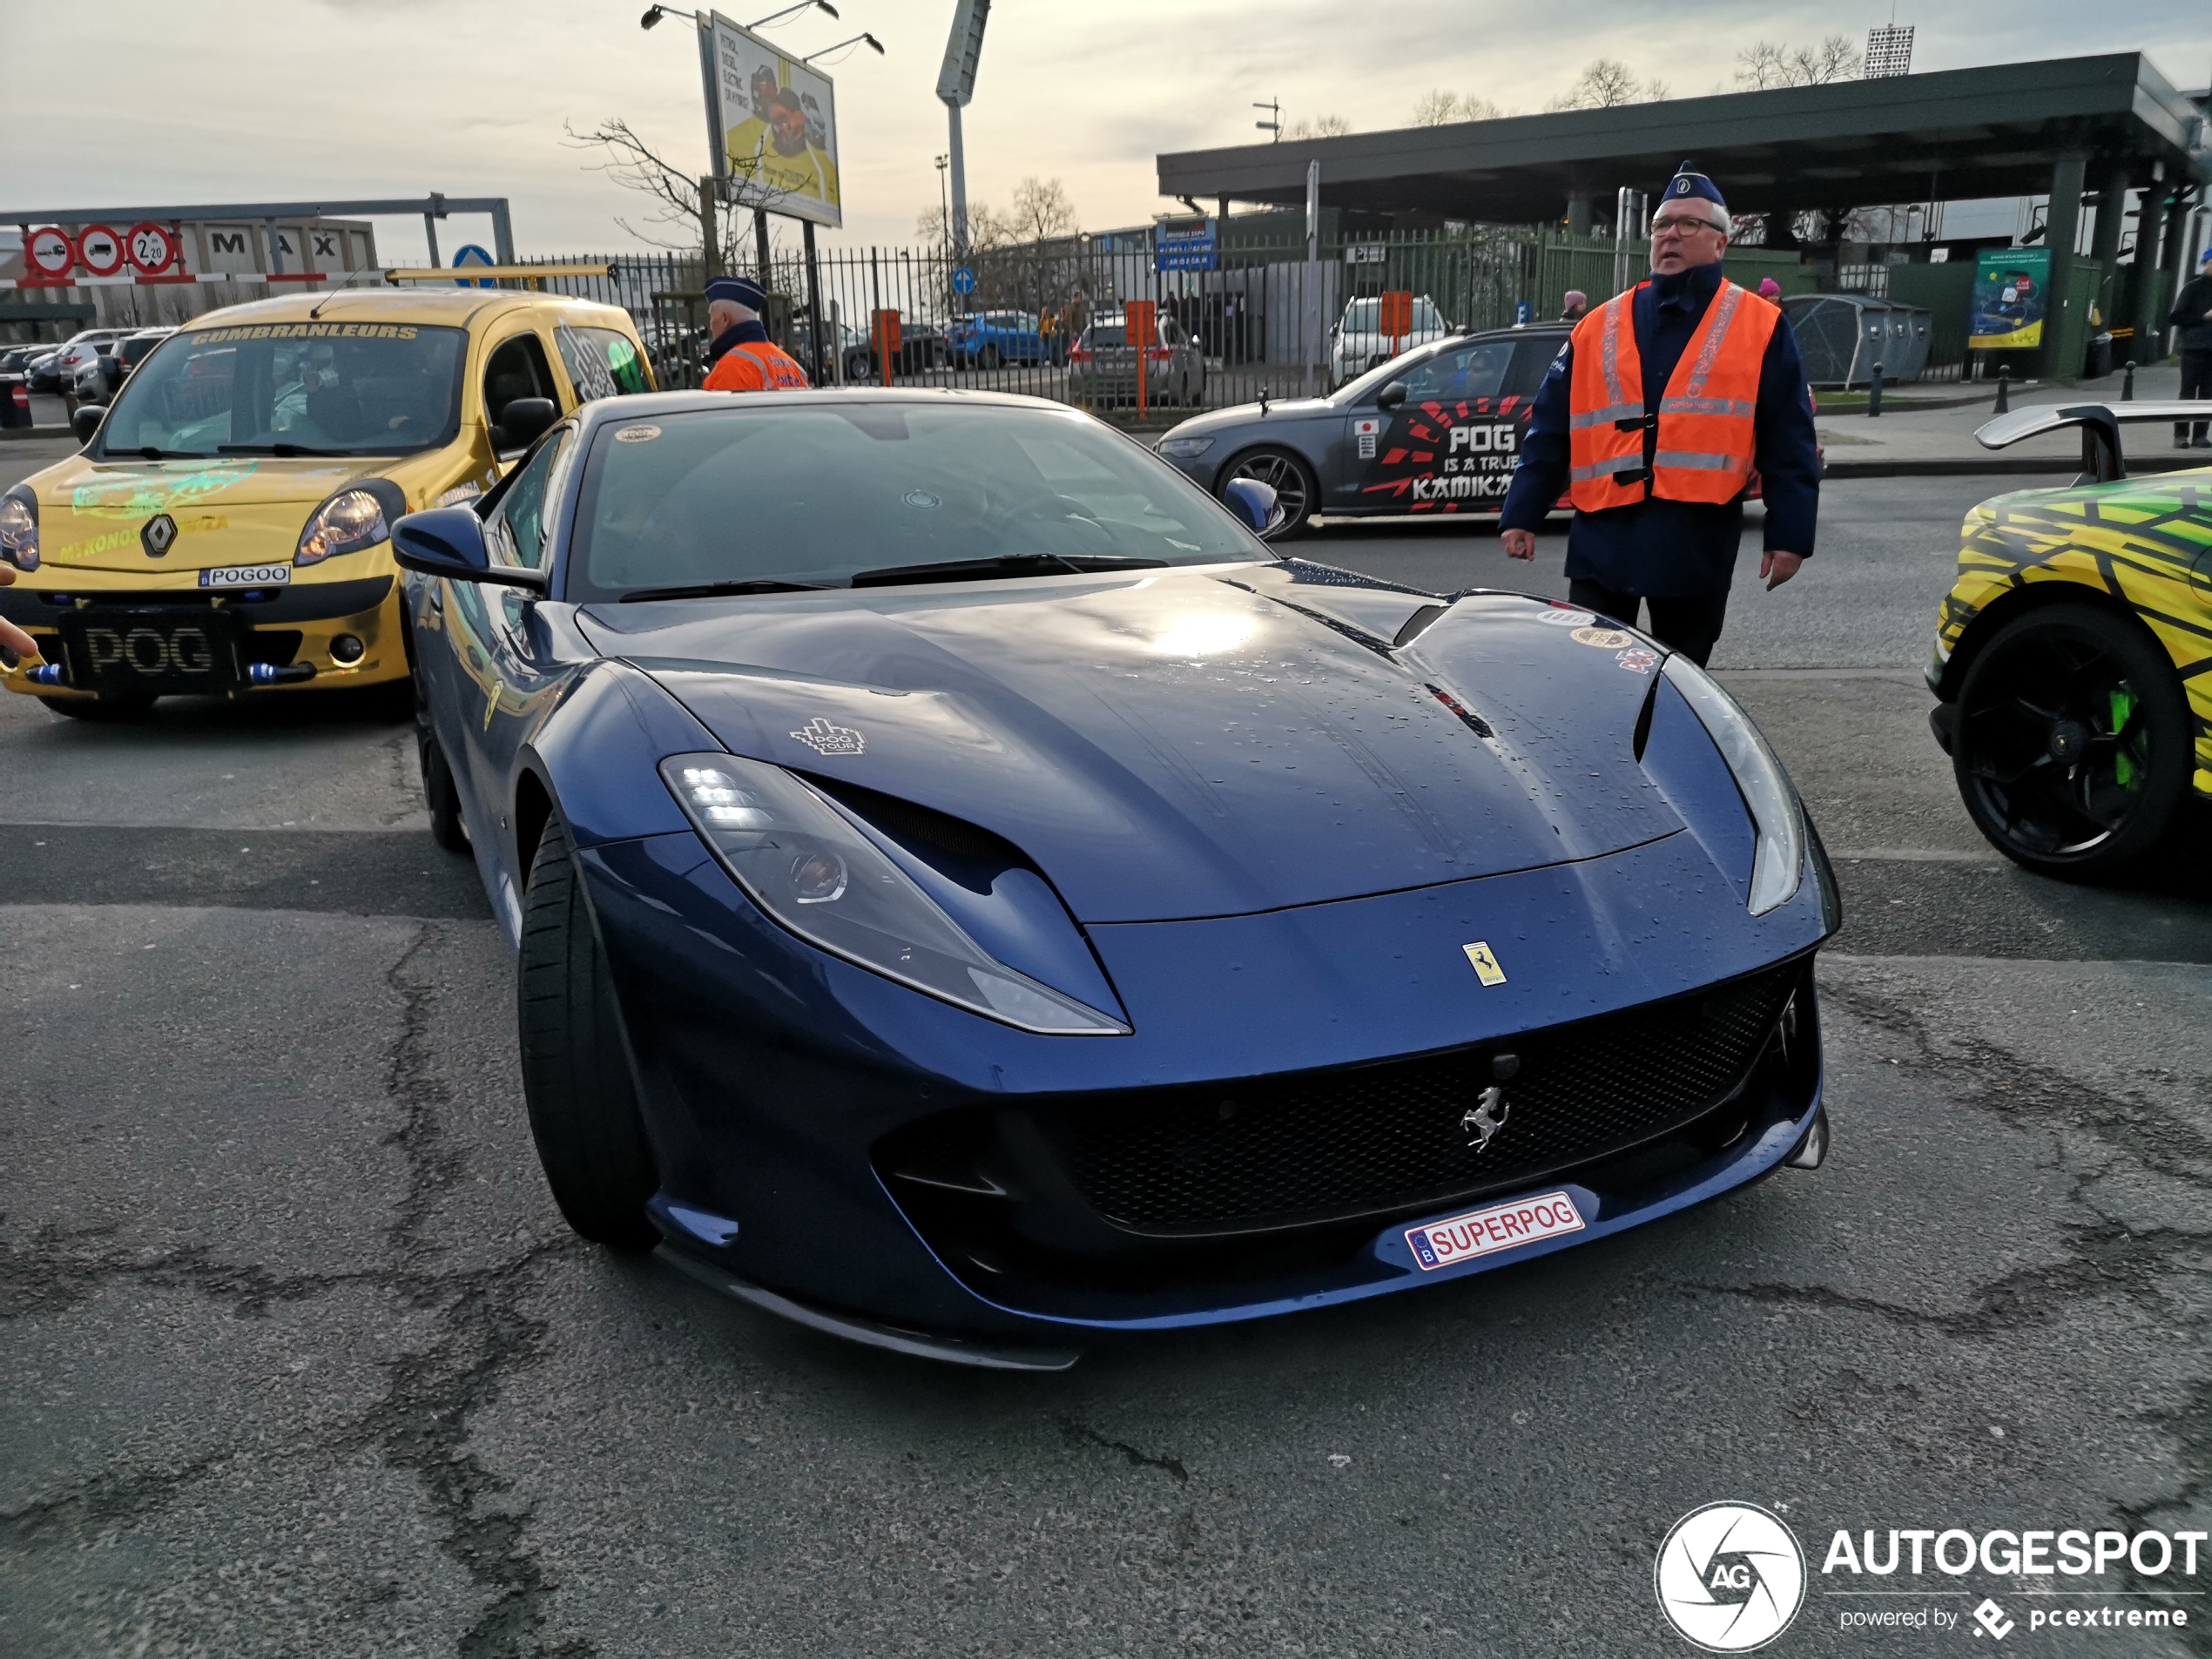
(226, 529)
(2073, 652)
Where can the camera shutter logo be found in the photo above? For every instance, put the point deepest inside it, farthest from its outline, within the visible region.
(1731, 1577)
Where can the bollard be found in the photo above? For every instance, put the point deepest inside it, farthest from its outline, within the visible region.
(2004, 392)
(1874, 393)
(2128, 383)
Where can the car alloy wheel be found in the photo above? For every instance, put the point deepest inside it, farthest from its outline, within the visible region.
(1286, 476)
(2072, 742)
(987, 357)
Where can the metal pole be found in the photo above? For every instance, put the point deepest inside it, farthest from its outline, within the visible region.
(502, 232)
(276, 248)
(430, 235)
(814, 304)
(709, 237)
(1621, 208)
(960, 185)
(1309, 319)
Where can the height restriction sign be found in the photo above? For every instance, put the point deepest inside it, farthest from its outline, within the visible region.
(150, 247)
(50, 251)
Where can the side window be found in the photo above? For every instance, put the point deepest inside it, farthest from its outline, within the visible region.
(1532, 360)
(1468, 373)
(520, 527)
(601, 362)
(517, 369)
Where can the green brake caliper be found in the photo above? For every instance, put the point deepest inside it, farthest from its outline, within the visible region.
(2123, 763)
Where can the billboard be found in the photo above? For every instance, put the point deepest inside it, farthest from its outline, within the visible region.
(775, 121)
(2012, 294)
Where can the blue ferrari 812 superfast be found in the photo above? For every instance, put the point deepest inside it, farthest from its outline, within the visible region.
(972, 895)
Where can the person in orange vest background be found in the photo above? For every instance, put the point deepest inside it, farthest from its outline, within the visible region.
(1653, 418)
(744, 359)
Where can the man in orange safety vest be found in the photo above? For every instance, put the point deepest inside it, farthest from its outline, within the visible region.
(1664, 407)
(743, 358)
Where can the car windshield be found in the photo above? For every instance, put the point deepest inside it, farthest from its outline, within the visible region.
(1364, 316)
(816, 494)
(1376, 378)
(325, 388)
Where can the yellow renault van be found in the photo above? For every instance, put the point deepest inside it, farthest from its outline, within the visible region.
(227, 529)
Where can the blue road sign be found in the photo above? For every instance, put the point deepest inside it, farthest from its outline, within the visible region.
(1523, 312)
(1187, 245)
(471, 254)
(963, 280)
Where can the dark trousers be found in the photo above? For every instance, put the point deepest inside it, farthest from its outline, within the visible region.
(1690, 625)
(2196, 381)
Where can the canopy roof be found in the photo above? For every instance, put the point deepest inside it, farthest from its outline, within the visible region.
(1952, 136)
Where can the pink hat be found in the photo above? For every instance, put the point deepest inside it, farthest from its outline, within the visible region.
(1576, 297)
(1769, 289)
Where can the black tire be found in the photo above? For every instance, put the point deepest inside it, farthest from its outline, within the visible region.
(104, 710)
(2073, 744)
(987, 357)
(1292, 480)
(575, 1062)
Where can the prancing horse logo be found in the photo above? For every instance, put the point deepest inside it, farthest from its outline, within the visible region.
(1488, 1116)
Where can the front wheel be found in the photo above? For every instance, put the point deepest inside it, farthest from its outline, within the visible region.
(2073, 745)
(987, 357)
(576, 1063)
(1296, 492)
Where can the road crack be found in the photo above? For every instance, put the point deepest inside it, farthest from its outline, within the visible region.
(1079, 1434)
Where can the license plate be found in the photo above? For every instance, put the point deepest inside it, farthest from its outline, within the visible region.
(246, 576)
(1500, 1227)
(159, 651)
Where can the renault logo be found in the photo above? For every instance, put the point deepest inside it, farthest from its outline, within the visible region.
(160, 535)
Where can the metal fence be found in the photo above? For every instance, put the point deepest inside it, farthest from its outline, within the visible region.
(1270, 319)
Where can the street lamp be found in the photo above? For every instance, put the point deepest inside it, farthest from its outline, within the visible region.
(855, 41)
(792, 12)
(1274, 108)
(944, 208)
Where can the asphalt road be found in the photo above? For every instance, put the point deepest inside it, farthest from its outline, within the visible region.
(301, 1361)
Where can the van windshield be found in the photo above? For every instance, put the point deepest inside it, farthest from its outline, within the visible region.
(304, 387)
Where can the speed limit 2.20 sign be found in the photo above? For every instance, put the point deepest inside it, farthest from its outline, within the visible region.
(150, 247)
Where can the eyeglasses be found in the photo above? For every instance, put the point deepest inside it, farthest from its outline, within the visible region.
(1682, 224)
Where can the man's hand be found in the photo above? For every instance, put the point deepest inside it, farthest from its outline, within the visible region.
(1777, 568)
(12, 638)
(1519, 544)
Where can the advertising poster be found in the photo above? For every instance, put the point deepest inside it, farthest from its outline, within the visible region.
(778, 122)
(2012, 292)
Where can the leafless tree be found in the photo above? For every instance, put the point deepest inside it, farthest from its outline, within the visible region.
(1441, 108)
(1319, 126)
(672, 219)
(1606, 82)
(1765, 64)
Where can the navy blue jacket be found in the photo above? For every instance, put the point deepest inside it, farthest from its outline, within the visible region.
(738, 334)
(1674, 549)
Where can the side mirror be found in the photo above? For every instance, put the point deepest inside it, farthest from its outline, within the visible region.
(523, 422)
(448, 542)
(1254, 502)
(84, 421)
(1391, 397)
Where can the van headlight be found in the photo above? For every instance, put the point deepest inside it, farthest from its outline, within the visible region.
(19, 528)
(1779, 868)
(358, 516)
(809, 867)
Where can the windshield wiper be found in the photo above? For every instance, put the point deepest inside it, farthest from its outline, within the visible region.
(1002, 564)
(281, 450)
(149, 452)
(716, 589)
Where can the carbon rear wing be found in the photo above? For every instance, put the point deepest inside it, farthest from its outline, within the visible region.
(2102, 459)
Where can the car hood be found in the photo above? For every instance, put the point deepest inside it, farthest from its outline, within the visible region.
(91, 512)
(1183, 744)
(1243, 415)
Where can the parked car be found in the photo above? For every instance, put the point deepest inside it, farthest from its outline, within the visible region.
(989, 338)
(99, 380)
(79, 350)
(1357, 344)
(1101, 365)
(18, 359)
(43, 372)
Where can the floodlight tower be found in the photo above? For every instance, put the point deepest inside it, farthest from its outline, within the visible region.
(956, 85)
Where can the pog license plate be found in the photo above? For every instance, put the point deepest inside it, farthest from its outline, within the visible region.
(1499, 1226)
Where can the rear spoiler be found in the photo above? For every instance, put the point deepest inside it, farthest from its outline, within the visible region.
(2101, 458)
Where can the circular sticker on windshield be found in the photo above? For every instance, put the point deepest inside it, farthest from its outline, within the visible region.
(920, 498)
(1605, 638)
(637, 435)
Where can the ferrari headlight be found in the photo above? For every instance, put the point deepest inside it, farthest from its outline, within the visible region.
(1185, 449)
(1779, 865)
(19, 528)
(348, 522)
(811, 868)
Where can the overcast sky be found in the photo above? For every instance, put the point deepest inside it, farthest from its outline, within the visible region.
(134, 103)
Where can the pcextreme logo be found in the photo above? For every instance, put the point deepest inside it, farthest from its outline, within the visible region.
(1731, 1577)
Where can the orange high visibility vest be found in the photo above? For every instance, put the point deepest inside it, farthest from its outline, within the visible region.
(1705, 417)
(755, 365)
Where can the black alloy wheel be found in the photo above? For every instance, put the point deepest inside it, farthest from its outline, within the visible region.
(576, 1079)
(1296, 492)
(2072, 742)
